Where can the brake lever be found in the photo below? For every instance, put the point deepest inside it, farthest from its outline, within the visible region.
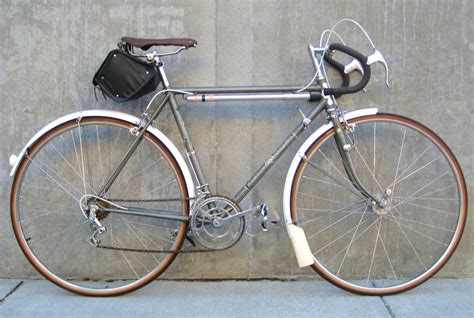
(352, 66)
(375, 57)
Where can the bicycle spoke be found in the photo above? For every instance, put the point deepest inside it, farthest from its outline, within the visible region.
(352, 241)
(147, 237)
(54, 180)
(343, 209)
(74, 169)
(75, 151)
(420, 223)
(125, 257)
(341, 236)
(123, 189)
(319, 198)
(82, 157)
(422, 234)
(430, 193)
(100, 156)
(367, 166)
(398, 164)
(158, 188)
(386, 253)
(60, 232)
(357, 238)
(427, 208)
(135, 234)
(375, 248)
(408, 240)
(374, 152)
(414, 161)
(332, 224)
(151, 233)
(355, 193)
(68, 247)
(414, 172)
(422, 198)
(332, 164)
(325, 182)
(410, 198)
(49, 213)
(56, 174)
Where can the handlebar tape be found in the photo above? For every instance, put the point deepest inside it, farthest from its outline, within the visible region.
(363, 61)
(340, 68)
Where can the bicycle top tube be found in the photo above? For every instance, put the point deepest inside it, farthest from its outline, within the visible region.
(246, 89)
(250, 93)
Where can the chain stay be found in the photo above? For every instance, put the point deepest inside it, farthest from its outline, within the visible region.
(115, 248)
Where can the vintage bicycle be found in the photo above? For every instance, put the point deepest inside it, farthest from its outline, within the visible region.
(102, 201)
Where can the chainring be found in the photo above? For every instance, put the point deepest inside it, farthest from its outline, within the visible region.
(212, 235)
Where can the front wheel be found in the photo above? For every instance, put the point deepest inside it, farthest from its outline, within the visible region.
(374, 250)
(73, 160)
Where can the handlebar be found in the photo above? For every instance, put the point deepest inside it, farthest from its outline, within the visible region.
(340, 68)
(355, 54)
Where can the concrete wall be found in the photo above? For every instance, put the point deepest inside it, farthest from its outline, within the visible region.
(51, 49)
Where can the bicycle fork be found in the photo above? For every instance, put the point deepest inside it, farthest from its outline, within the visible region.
(344, 147)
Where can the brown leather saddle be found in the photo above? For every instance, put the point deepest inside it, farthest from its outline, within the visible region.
(145, 44)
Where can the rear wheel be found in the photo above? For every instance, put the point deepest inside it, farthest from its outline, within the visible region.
(379, 251)
(72, 160)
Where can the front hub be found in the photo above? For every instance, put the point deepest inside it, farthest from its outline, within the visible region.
(384, 207)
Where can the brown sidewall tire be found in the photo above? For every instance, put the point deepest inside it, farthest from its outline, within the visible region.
(36, 146)
(456, 238)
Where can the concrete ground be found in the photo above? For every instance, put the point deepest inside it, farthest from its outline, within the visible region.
(436, 298)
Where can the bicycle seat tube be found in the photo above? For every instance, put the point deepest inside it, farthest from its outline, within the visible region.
(202, 186)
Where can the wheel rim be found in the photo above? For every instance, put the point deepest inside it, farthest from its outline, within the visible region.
(43, 180)
(381, 251)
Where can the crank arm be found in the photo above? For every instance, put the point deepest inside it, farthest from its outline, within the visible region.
(257, 209)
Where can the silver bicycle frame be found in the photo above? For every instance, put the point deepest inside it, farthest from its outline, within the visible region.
(242, 93)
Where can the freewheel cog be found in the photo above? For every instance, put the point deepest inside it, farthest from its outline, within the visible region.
(208, 223)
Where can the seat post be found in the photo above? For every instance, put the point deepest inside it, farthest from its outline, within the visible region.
(166, 83)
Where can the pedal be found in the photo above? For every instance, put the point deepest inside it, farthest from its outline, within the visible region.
(264, 213)
(266, 222)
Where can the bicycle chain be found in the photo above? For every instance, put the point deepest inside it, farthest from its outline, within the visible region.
(126, 249)
(203, 250)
